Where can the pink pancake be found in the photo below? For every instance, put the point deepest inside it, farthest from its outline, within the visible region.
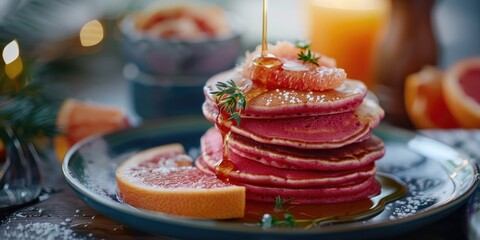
(249, 171)
(280, 103)
(348, 157)
(316, 132)
(323, 195)
(365, 189)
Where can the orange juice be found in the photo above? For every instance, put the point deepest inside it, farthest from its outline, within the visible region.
(348, 30)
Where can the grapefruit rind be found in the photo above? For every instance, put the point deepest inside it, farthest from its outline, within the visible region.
(425, 101)
(203, 203)
(465, 109)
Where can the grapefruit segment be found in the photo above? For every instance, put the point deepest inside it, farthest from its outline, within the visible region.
(461, 91)
(283, 70)
(425, 102)
(311, 78)
(164, 179)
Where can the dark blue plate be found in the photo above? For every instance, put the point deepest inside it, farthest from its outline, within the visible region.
(438, 178)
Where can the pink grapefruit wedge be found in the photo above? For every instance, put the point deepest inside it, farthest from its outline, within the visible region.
(164, 179)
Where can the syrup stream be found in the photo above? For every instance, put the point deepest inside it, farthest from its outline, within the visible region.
(266, 61)
(264, 30)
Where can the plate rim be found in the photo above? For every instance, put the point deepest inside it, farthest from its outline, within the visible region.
(238, 227)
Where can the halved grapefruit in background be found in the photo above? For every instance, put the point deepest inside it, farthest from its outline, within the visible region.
(462, 92)
(425, 102)
(164, 179)
(78, 120)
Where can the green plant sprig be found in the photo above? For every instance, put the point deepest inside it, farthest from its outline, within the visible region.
(269, 221)
(289, 220)
(26, 110)
(280, 204)
(306, 55)
(231, 99)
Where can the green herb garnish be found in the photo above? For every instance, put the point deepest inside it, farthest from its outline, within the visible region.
(269, 221)
(308, 57)
(230, 98)
(280, 204)
(306, 54)
(289, 220)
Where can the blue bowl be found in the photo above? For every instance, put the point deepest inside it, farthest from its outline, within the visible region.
(157, 56)
(165, 95)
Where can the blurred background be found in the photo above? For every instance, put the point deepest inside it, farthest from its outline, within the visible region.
(83, 53)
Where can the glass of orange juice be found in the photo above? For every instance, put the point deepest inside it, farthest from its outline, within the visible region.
(348, 30)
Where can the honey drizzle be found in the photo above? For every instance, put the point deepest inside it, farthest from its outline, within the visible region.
(224, 166)
(264, 29)
(265, 61)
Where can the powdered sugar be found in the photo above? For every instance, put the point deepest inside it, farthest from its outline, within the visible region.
(42, 229)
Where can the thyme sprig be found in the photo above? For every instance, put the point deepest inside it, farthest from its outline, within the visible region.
(280, 204)
(269, 221)
(306, 55)
(289, 220)
(231, 99)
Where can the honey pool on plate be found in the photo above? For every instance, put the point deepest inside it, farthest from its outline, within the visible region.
(308, 216)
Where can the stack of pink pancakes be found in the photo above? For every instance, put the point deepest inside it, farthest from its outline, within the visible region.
(313, 147)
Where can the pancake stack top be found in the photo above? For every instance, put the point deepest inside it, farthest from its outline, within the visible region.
(312, 146)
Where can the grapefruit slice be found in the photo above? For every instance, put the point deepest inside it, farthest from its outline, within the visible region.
(164, 179)
(294, 75)
(462, 92)
(425, 102)
(283, 70)
(78, 120)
